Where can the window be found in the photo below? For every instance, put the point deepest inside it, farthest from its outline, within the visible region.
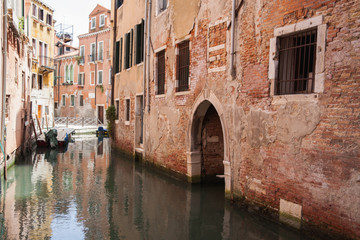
(110, 76)
(139, 47)
(67, 49)
(67, 74)
(117, 108)
(82, 54)
(40, 53)
(161, 72)
(297, 58)
(81, 100)
(101, 51)
(72, 102)
(55, 105)
(40, 82)
(92, 78)
(33, 80)
(182, 70)
(162, 5)
(296, 63)
(34, 8)
(63, 100)
(16, 71)
(23, 85)
(93, 52)
(127, 109)
(41, 14)
(34, 47)
(7, 108)
(119, 49)
(102, 20)
(128, 49)
(93, 23)
(119, 3)
(72, 73)
(100, 77)
(48, 19)
(81, 79)
(47, 110)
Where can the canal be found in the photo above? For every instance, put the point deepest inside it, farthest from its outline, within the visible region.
(91, 192)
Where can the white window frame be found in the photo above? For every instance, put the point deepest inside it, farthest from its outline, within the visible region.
(98, 49)
(63, 103)
(36, 48)
(320, 55)
(93, 20)
(92, 81)
(71, 75)
(102, 16)
(83, 79)
(72, 96)
(81, 95)
(36, 10)
(39, 8)
(92, 53)
(98, 77)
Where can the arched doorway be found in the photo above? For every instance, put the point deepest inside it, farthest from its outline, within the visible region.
(206, 156)
(212, 147)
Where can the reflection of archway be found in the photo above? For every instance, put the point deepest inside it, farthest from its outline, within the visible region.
(207, 114)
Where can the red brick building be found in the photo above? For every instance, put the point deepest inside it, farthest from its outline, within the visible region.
(84, 85)
(269, 101)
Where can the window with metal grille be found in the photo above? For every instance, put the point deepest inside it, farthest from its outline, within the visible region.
(183, 62)
(297, 57)
(127, 116)
(161, 72)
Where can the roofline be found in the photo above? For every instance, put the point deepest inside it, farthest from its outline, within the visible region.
(46, 5)
(94, 33)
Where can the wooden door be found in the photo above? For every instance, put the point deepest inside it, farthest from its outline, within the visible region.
(101, 114)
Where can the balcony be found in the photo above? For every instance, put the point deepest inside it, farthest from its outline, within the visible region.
(46, 64)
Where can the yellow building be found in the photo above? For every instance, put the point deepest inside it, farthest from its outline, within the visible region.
(41, 27)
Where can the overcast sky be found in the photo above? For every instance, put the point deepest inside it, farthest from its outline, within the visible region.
(75, 12)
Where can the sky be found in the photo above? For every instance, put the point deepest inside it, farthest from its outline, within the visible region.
(75, 12)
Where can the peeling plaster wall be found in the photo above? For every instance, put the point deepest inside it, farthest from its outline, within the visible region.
(300, 149)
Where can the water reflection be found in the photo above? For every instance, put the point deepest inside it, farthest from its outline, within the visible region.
(88, 192)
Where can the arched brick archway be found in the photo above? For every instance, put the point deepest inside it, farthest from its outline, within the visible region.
(207, 112)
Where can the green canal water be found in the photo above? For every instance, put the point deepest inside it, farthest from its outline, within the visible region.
(91, 192)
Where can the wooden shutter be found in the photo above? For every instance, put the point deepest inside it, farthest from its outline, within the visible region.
(117, 58)
(131, 47)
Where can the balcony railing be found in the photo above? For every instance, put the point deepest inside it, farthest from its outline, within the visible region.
(46, 64)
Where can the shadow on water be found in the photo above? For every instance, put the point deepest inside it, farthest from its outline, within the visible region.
(90, 192)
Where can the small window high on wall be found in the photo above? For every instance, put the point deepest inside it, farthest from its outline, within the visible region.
(119, 3)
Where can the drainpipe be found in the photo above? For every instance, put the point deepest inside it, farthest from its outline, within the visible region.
(114, 55)
(3, 84)
(96, 49)
(148, 56)
(232, 51)
(144, 79)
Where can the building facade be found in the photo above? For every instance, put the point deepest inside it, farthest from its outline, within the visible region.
(15, 65)
(42, 33)
(95, 65)
(263, 94)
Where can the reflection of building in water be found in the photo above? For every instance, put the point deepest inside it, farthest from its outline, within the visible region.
(82, 174)
(28, 201)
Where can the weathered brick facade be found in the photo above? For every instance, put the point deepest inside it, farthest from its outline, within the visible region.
(297, 154)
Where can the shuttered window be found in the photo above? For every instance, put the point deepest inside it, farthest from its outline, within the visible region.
(117, 59)
(128, 49)
(139, 42)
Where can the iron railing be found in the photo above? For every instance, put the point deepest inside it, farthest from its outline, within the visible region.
(46, 64)
(73, 121)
